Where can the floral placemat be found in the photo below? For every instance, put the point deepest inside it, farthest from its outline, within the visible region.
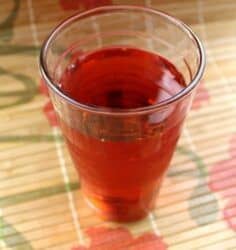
(41, 205)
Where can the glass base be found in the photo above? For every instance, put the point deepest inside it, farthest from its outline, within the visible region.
(118, 211)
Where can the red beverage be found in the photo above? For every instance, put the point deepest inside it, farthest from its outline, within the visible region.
(121, 109)
(121, 159)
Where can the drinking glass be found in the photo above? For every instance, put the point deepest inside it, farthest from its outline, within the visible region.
(122, 155)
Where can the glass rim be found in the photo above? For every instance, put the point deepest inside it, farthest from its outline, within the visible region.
(115, 111)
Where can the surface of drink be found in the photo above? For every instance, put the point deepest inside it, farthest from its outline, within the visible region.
(122, 78)
(121, 159)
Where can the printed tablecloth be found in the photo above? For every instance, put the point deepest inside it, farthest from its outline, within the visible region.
(41, 204)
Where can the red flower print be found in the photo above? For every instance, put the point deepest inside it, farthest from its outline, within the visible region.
(50, 114)
(48, 107)
(223, 181)
(120, 239)
(230, 214)
(202, 97)
(87, 4)
(70, 4)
